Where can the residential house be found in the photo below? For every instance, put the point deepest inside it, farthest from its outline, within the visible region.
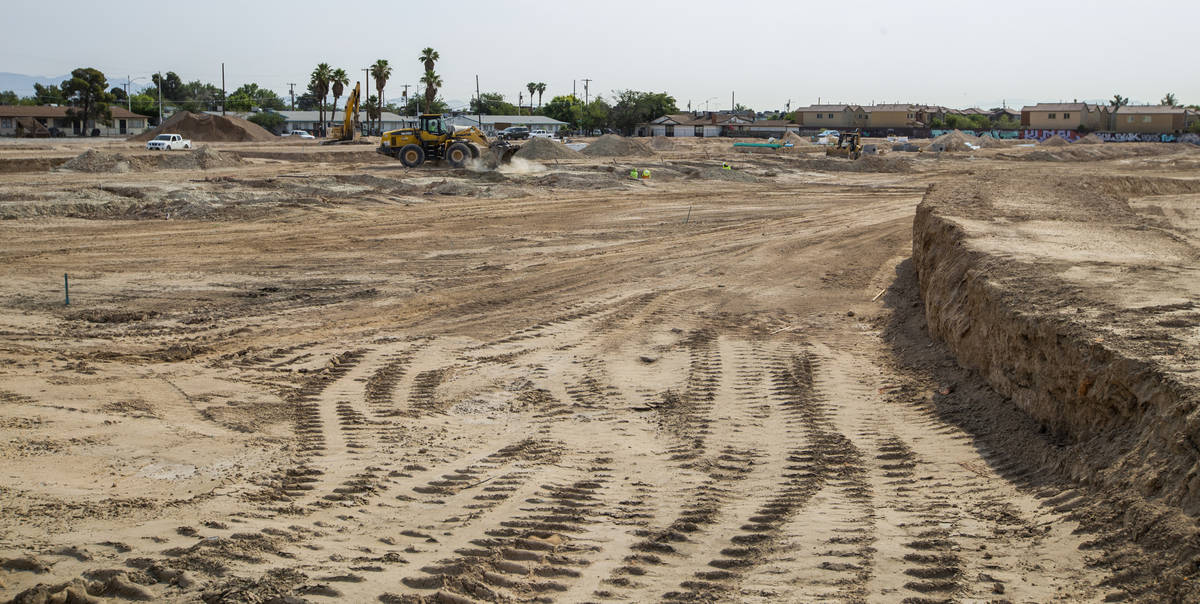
(36, 117)
(831, 116)
(714, 123)
(893, 116)
(1065, 116)
(998, 113)
(1150, 119)
(490, 124)
(310, 121)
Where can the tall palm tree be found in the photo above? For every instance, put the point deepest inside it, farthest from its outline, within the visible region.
(541, 89)
(428, 56)
(338, 79)
(320, 85)
(532, 88)
(1170, 100)
(432, 82)
(381, 71)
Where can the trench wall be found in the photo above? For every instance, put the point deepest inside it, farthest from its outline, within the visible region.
(1120, 421)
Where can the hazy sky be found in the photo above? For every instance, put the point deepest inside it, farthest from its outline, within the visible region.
(950, 52)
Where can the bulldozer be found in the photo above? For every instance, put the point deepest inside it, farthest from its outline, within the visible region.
(849, 144)
(343, 133)
(435, 140)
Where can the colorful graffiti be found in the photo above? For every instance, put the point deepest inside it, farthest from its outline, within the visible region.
(992, 133)
(1109, 137)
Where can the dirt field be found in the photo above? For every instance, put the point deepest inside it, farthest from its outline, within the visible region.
(316, 375)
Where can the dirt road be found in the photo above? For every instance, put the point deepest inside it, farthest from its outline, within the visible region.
(369, 390)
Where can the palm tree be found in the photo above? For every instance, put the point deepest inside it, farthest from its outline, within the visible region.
(320, 85)
(532, 88)
(381, 71)
(339, 79)
(1169, 100)
(541, 89)
(428, 56)
(1119, 101)
(432, 82)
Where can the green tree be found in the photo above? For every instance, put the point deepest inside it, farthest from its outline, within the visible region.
(86, 92)
(413, 106)
(532, 88)
(567, 109)
(432, 82)
(319, 85)
(48, 95)
(249, 96)
(144, 104)
(338, 80)
(1169, 100)
(172, 87)
(373, 110)
(1007, 123)
(635, 107)
(118, 94)
(268, 119)
(9, 97)
(541, 89)
(492, 103)
(1118, 101)
(381, 71)
(597, 114)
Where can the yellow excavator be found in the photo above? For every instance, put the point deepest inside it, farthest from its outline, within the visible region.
(849, 144)
(433, 139)
(344, 132)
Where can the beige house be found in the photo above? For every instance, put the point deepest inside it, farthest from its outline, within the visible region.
(894, 116)
(40, 118)
(1151, 119)
(832, 116)
(1065, 116)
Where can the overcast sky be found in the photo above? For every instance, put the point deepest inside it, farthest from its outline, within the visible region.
(951, 52)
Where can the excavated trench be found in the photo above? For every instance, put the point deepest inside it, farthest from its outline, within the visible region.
(1080, 301)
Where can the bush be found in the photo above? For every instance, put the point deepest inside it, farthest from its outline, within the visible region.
(269, 120)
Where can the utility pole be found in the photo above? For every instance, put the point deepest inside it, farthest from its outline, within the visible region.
(586, 81)
(573, 89)
(405, 95)
(292, 92)
(128, 99)
(478, 103)
(732, 102)
(367, 71)
(159, 79)
(222, 89)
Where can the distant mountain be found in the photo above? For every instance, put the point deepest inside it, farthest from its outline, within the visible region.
(23, 84)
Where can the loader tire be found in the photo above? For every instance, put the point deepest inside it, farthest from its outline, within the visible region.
(475, 153)
(457, 155)
(411, 156)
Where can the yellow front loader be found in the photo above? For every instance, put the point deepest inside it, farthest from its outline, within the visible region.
(849, 144)
(433, 139)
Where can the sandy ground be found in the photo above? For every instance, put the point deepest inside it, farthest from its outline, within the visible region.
(334, 379)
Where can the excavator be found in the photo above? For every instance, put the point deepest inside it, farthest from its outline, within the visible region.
(343, 133)
(849, 144)
(433, 139)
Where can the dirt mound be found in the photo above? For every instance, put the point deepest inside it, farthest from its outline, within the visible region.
(544, 148)
(1054, 141)
(611, 145)
(952, 141)
(1090, 139)
(209, 128)
(204, 158)
(795, 139)
(987, 142)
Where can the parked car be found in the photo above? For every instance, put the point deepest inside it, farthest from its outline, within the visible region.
(541, 134)
(167, 142)
(298, 134)
(514, 133)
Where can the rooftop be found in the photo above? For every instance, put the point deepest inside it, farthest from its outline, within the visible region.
(60, 111)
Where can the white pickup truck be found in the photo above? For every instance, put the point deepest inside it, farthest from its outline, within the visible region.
(540, 134)
(167, 142)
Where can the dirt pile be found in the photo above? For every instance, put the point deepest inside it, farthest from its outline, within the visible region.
(1054, 141)
(952, 141)
(544, 148)
(1090, 139)
(203, 127)
(204, 158)
(795, 139)
(612, 145)
(661, 143)
(986, 141)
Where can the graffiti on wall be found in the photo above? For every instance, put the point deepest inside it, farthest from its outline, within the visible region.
(1108, 137)
(991, 133)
